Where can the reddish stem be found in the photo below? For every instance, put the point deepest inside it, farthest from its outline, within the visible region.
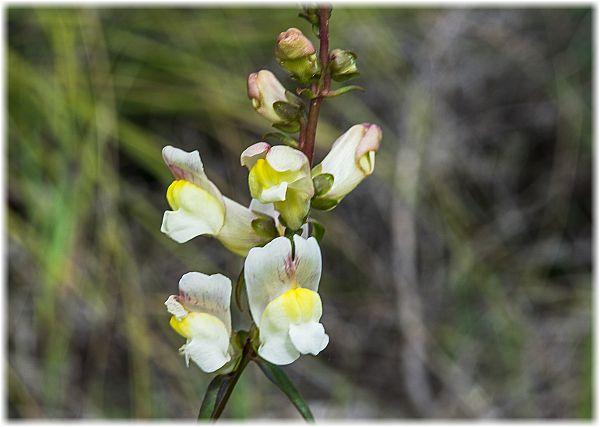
(308, 145)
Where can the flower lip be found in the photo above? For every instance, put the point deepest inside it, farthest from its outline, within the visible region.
(370, 141)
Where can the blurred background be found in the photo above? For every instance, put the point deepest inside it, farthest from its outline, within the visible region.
(457, 279)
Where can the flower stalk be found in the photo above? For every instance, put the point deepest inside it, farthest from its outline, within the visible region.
(307, 144)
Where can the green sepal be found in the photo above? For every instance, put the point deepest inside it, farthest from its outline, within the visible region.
(287, 111)
(344, 77)
(308, 93)
(323, 204)
(291, 127)
(317, 230)
(282, 138)
(323, 183)
(278, 377)
(343, 90)
(265, 227)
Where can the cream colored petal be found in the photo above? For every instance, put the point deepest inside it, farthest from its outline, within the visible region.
(251, 154)
(308, 262)
(210, 294)
(278, 348)
(237, 233)
(263, 208)
(283, 158)
(175, 308)
(309, 337)
(275, 193)
(292, 318)
(208, 342)
(268, 272)
(188, 166)
(182, 227)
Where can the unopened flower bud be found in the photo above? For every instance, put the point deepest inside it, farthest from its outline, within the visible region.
(272, 101)
(343, 65)
(297, 54)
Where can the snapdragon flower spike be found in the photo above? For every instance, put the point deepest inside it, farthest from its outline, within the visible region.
(200, 313)
(200, 208)
(350, 160)
(284, 303)
(280, 175)
(272, 101)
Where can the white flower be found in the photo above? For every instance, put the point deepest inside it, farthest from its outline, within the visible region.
(280, 175)
(351, 159)
(201, 315)
(200, 208)
(284, 303)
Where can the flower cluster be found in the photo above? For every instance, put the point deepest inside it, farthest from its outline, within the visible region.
(282, 268)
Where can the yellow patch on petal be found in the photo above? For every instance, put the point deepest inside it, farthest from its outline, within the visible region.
(182, 327)
(299, 305)
(262, 177)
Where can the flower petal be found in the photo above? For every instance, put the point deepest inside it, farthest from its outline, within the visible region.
(268, 272)
(283, 158)
(175, 308)
(207, 294)
(309, 337)
(251, 154)
(182, 227)
(188, 166)
(208, 340)
(275, 193)
(308, 262)
(196, 212)
(297, 310)
(237, 233)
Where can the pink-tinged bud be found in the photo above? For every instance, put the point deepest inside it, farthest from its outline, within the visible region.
(297, 55)
(370, 141)
(351, 159)
(264, 90)
(293, 44)
(253, 91)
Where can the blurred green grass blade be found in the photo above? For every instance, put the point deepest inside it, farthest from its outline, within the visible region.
(281, 380)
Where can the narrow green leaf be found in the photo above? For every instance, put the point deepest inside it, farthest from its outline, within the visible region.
(344, 89)
(323, 183)
(211, 397)
(281, 380)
